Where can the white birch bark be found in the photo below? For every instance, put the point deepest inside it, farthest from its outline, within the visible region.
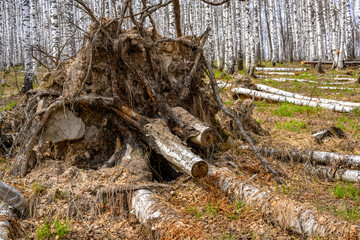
(294, 6)
(2, 65)
(267, 69)
(229, 54)
(171, 148)
(29, 75)
(328, 173)
(325, 158)
(341, 58)
(55, 31)
(349, 32)
(216, 36)
(334, 33)
(13, 197)
(172, 32)
(161, 217)
(310, 31)
(34, 33)
(247, 36)
(287, 213)
(6, 211)
(295, 95)
(319, 34)
(69, 28)
(292, 79)
(107, 8)
(254, 36)
(290, 43)
(273, 32)
(278, 21)
(239, 55)
(8, 32)
(296, 101)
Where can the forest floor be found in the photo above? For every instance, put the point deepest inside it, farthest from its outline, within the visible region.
(53, 186)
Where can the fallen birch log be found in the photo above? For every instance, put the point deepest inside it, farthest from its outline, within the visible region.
(172, 149)
(265, 69)
(326, 158)
(13, 197)
(336, 88)
(6, 214)
(328, 173)
(292, 79)
(340, 83)
(160, 217)
(299, 96)
(148, 208)
(279, 73)
(345, 79)
(300, 218)
(195, 130)
(296, 101)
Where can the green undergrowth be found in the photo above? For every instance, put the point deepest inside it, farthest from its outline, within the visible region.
(287, 109)
(346, 191)
(8, 106)
(57, 229)
(292, 125)
(349, 124)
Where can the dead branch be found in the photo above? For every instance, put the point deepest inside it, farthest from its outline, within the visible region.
(199, 52)
(237, 121)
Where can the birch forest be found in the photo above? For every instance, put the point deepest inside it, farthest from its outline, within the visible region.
(179, 119)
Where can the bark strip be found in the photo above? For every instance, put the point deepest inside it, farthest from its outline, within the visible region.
(289, 214)
(172, 149)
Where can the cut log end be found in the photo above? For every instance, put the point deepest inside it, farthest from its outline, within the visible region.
(200, 169)
(204, 139)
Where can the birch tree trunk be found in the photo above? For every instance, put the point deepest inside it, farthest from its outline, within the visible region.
(310, 31)
(239, 55)
(334, 35)
(55, 30)
(69, 28)
(216, 37)
(34, 34)
(319, 35)
(273, 33)
(341, 60)
(350, 53)
(2, 65)
(29, 75)
(254, 36)
(247, 37)
(229, 54)
(9, 36)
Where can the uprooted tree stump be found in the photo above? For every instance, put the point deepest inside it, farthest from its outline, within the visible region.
(129, 82)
